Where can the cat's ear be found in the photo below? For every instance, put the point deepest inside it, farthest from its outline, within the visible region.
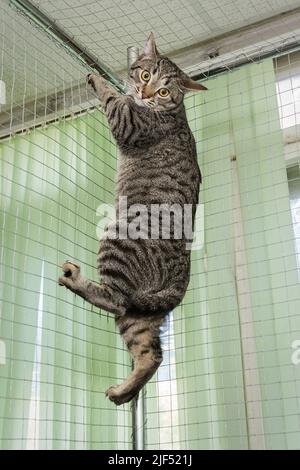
(150, 49)
(190, 85)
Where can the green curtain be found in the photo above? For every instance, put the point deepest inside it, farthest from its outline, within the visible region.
(60, 354)
(227, 381)
(236, 386)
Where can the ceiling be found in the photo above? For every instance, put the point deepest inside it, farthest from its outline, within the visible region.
(34, 67)
(107, 27)
(31, 65)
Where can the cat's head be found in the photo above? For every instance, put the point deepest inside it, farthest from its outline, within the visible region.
(156, 82)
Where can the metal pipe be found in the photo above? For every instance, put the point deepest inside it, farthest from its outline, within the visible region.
(132, 56)
(74, 48)
(138, 421)
(138, 403)
(241, 61)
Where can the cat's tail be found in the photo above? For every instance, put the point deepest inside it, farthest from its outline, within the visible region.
(141, 334)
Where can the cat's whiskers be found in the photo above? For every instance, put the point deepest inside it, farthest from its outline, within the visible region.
(149, 102)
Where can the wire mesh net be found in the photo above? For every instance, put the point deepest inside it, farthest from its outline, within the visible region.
(59, 355)
(191, 33)
(107, 27)
(231, 372)
(231, 378)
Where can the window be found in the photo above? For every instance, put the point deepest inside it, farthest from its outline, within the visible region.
(293, 173)
(288, 90)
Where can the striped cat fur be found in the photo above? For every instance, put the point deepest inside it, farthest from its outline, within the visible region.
(143, 279)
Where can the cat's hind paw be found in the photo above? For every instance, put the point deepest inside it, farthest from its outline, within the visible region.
(71, 272)
(117, 396)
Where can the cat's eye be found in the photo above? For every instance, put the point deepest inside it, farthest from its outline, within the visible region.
(163, 92)
(145, 76)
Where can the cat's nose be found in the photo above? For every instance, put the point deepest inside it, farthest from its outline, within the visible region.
(147, 92)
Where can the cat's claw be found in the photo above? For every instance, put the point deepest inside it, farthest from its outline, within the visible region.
(71, 272)
(116, 397)
(112, 394)
(90, 80)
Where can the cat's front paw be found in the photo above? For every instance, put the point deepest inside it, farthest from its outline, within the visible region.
(91, 80)
(71, 273)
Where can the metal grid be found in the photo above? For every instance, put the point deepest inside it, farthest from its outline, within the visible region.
(227, 380)
(57, 355)
(32, 66)
(231, 379)
(107, 27)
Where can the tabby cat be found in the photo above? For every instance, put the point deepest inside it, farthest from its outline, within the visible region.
(143, 279)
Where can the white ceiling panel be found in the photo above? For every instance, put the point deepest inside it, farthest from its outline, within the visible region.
(107, 27)
(34, 68)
